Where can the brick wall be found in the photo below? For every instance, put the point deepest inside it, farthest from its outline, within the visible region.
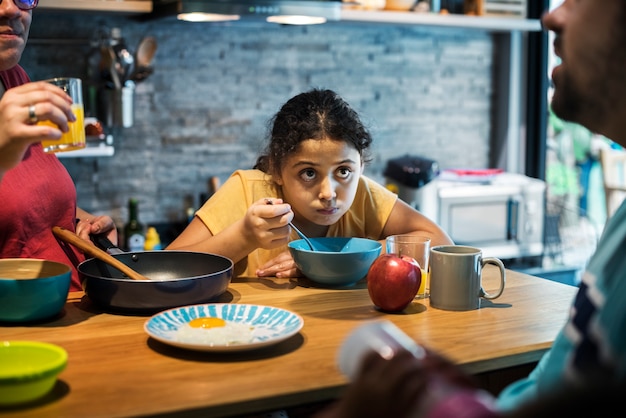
(204, 111)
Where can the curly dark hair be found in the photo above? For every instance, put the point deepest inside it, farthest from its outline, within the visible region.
(317, 114)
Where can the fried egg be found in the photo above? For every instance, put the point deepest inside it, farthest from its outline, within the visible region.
(214, 331)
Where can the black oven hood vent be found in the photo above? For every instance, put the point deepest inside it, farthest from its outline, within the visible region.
(246, 9)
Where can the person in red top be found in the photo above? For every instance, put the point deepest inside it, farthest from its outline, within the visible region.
(36, 192)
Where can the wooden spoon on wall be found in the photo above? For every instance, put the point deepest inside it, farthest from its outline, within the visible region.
(71, 238)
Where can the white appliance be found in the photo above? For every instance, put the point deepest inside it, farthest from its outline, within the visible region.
(503, 214)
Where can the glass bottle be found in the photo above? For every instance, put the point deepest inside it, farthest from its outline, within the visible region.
(134, 234)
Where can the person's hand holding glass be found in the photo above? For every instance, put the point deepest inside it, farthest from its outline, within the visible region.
(74, 138)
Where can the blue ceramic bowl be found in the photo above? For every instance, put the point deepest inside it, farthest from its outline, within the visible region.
(336, 261)
(32, 289)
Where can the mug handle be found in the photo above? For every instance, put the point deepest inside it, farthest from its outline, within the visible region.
(496, 262)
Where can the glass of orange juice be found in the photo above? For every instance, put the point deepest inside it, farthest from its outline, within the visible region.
(74, 138)
(416, 247)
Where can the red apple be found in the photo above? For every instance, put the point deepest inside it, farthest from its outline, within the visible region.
(393, 281)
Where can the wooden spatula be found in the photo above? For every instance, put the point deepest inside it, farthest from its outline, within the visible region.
(71, 238)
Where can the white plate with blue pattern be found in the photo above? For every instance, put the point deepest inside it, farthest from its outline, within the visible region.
(269, 325)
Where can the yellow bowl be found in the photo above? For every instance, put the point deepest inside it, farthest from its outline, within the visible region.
(28, 370)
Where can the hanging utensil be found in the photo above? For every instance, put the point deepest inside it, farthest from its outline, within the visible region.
(109, 65)
(127, 64)
(143, 58)
(145, 51)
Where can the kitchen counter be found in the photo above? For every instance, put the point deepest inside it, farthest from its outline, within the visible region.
(116, 370)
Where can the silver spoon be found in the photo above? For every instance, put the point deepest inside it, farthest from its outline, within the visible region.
(304, 237)
(300, 234)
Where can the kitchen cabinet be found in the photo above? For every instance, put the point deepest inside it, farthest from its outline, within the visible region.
(118, 6)
(489, 23)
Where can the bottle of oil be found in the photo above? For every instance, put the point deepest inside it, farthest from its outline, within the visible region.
(134, 234)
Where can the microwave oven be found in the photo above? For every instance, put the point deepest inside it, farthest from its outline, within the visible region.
(503, 214)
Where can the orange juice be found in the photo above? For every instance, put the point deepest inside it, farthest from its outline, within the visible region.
(417, 248)
(71, 140)
(422, 292)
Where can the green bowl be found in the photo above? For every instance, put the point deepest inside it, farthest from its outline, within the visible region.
(32, 289)
(28, 370)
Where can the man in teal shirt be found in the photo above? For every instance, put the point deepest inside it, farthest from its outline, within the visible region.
(590, 350)
(590, 89)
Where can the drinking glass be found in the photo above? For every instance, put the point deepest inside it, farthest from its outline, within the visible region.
(74, 138)
(416, 247)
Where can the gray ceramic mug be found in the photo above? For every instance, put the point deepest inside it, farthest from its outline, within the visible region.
(456, 277)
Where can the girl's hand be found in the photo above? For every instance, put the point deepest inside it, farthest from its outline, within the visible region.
(266, 223)
(281, 266)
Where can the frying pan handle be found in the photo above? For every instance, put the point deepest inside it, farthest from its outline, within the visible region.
(103, 242)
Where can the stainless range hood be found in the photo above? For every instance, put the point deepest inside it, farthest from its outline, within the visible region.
(278, 11)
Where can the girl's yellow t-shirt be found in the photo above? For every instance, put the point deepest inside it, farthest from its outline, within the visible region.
(366, 218)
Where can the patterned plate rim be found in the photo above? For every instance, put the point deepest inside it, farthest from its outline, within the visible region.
(222, 348)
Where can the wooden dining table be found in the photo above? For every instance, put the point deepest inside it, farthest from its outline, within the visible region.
(116, 370)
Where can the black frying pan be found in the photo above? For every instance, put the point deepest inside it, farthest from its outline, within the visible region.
(176, 278)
